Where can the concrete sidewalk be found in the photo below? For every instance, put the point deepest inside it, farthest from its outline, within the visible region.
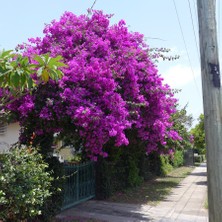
(185, 204)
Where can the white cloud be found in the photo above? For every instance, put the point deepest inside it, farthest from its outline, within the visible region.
(180, 75)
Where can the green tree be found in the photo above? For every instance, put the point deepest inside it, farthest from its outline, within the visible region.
(181, 124)
(199, 135)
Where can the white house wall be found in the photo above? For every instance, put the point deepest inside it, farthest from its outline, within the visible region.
(10, 136)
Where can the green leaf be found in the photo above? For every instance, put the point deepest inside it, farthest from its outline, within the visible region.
(60, 64)
(56, 62)
(39, 71)
(15, 79)
(6, 54)
(1, 81)
(30, 82)
(5, 73)
(23, 80)
(45, 75)
(24, 61)
(39, 59)
(60, 74)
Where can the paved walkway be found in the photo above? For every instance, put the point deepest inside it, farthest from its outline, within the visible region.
(185, 204)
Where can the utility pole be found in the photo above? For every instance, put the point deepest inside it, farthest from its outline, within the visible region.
(212, 100)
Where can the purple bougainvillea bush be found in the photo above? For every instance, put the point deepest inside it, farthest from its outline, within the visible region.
(110, 85)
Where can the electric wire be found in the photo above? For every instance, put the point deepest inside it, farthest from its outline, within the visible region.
(196, 21)
(93, 4)
(197, 48)
(195, 9)
(188, 56)
(155, 38)
(91, 8)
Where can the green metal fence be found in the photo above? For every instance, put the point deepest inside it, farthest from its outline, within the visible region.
(79, 185)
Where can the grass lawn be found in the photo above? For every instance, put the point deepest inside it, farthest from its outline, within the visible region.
(153, 191)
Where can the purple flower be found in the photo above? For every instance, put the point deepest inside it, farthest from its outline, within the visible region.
(110, 85)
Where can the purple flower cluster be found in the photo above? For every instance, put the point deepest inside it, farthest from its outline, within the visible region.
(110, 85)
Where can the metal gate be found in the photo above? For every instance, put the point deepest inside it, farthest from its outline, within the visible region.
(79, 184)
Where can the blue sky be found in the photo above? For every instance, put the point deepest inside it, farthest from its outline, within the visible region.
(20, 20)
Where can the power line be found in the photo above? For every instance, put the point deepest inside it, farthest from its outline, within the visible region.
(91, 8)
(195, 9)
(155, 38)
(194, 30)
(93, 5)
(188, 56)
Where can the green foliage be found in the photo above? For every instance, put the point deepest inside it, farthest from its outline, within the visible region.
(53, 203)
(116, 176)
(76, 158)
(165, 166)
(178, 158)
(199, 136)
(47, 67)
(120, 171)
(16, 70)
(199, 158)
(134, 179)
(16, 76)
(24, 184)
(181, 124)
(145, 168)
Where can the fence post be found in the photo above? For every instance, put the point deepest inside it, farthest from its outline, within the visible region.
(77, 183)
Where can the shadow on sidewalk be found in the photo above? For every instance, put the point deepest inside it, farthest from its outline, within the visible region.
(105, 211)
(202, 183)
(202, 174)
(202, 165)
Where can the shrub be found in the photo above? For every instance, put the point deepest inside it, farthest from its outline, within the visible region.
(199, 158)
(117, 175)
(24, 184)
(54, 202)
(165, 166)
(134, 179)
(145, 167)
(178, 158)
